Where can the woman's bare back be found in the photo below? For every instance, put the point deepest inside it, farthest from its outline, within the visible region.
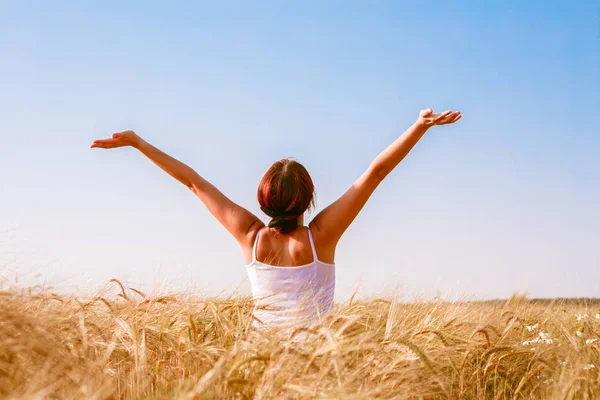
(290, 250)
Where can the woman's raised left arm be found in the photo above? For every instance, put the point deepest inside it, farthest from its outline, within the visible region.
(238, 221)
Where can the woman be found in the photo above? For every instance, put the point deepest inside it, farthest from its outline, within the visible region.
(290, 266)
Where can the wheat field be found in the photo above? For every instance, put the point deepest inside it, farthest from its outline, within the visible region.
(124, 344)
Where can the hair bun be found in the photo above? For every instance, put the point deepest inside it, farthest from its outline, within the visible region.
(284, 223)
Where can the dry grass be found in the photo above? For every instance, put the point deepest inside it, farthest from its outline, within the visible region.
(136, 347)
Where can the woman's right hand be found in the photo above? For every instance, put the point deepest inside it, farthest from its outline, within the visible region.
(428, 118)
(120, 139)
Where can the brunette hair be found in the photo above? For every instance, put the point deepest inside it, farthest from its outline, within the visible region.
(285, 192)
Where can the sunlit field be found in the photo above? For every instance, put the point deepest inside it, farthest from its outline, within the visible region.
(123, 343)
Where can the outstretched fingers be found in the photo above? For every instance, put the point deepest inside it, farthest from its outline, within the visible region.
(443, 115)
(98, 144)
(103, 144)
(449, 118)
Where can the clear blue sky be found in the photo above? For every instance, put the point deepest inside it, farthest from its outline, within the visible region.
(506, 200)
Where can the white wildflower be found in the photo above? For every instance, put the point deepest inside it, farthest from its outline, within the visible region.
(545, 338)
(598, 315)
(532, 328)
(582, 317)
(589, 366)
(590, 341)
(532, 341)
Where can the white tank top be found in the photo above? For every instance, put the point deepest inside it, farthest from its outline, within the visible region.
(291, 296)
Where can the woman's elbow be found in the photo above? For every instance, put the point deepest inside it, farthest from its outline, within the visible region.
(377, 173)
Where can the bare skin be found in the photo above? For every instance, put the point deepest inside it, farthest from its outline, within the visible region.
(327, 227)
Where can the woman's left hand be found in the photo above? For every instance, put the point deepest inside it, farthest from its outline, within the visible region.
(120, 139)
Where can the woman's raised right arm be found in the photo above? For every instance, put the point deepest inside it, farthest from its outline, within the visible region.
(332, 222)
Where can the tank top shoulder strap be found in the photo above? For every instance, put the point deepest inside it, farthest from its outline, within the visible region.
(312, 245)
(255, 245)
